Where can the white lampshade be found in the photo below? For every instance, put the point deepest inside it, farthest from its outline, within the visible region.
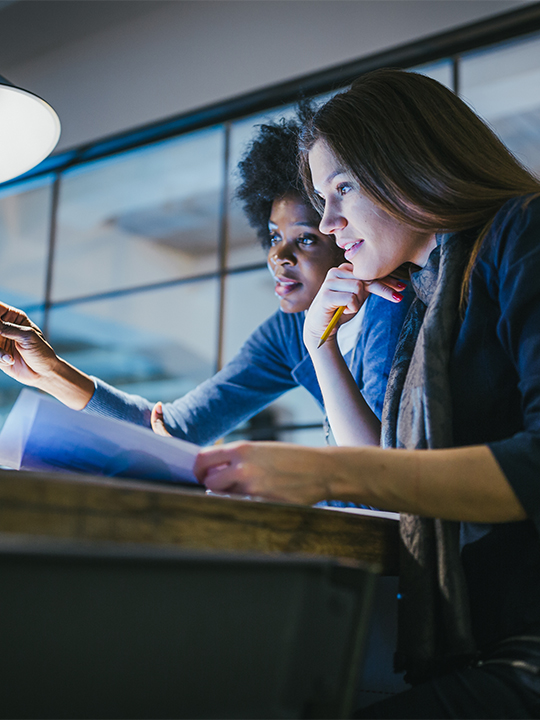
(29, 130)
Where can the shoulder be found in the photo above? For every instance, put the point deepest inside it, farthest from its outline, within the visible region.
(519, 209)
(512, 239)
(514, 231)
(510, 253)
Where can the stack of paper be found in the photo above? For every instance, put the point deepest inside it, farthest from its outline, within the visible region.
(42, 434)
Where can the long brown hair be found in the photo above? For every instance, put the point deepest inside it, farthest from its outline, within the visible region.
(419, 152)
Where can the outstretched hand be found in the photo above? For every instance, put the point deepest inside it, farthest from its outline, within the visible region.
(342, 289)
(25, 355)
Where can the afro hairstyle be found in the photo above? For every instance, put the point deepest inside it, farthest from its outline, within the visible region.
(269, 171)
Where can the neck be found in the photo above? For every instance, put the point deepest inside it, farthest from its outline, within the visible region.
(423, 254)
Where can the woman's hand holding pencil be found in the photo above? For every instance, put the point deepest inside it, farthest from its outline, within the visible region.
(341, 296)
(331, 325)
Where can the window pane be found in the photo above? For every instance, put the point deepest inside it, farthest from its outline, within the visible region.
(311, 437)
(298, 407)
(158, 344)
(440, 71)
(25, 212)
(141, 217)
(502, 85)
(259, 429)
(249, 300)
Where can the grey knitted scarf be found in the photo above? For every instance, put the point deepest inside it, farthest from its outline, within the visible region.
(434, 631)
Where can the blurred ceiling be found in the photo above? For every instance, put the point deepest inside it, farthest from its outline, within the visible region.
(29, 28)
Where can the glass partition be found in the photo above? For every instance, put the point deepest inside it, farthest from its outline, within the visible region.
(502, 84)
(142, 217)
(25, 212)
(264, 427)
(249, 301)
(159, 344)
(441, 71)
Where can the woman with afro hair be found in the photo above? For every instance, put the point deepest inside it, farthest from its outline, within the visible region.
(273, 360)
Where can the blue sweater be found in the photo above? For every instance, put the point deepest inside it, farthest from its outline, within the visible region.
(272, 361)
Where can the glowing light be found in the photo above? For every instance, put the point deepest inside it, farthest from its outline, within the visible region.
(29, 130)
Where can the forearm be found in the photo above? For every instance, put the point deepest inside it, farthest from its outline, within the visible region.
(463, 484)
(67, 384)
(350, 417)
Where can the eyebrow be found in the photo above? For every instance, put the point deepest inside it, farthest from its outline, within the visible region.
(339, 171)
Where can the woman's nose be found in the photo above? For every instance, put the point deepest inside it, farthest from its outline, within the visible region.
(331, 220)
(282, 253)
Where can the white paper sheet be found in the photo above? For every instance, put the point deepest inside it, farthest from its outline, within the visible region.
(42, 434)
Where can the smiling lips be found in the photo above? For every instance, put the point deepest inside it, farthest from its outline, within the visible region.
(351, 248)
(284, 286)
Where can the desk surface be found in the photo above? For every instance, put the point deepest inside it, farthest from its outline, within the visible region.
(57, 505)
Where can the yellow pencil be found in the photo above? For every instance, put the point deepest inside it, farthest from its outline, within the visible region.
(331, 325)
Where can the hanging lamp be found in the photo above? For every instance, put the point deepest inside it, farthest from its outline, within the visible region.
(29, 130)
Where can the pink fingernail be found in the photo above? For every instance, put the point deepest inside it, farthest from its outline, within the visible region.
(397, 297)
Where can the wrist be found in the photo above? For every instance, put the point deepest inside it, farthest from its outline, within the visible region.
(67, 384)
(321, 353)
(351, 485)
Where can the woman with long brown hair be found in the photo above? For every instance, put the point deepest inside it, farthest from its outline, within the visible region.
(405, 174)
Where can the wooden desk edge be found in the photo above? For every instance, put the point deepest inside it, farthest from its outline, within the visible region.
(62, 505)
